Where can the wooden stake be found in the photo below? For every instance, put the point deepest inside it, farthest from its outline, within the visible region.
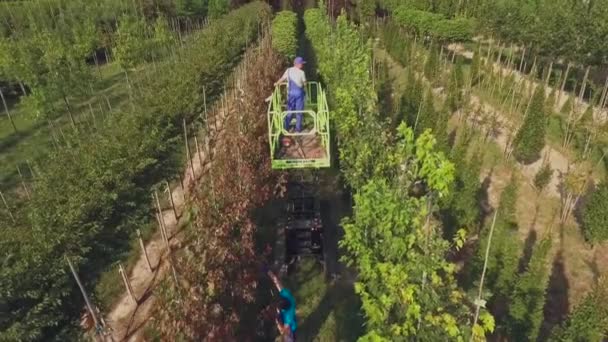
(7, 207)
(29, 166)
(8, 113)
(171, 199)
(161, 226)
(581, 94)
(561, 90)
(143, 248)
(198, 152)
(161, 219)
(87, 302)
(27, 192)
(127, 283)
(93, 115)
(188, 154)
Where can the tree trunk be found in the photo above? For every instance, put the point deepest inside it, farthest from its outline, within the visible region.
(8, 113)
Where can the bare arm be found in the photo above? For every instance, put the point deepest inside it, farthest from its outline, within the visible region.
(275, 281)
(282, 79)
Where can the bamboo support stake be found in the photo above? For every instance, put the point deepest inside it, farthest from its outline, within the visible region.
(93, 115)
(27, 192)
(87, 302)
(188, 154)
(563, 86)
(604, 95)
(581, 94)
(172, 201)
(8, 113)
(483, 273)
(127, 283)
(161, 226)
(29, 166)
(198, 152)
(549, 74)
(10, 213)
(161, 219)
(143, 248)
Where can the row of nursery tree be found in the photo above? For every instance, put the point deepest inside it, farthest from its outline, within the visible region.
(557, 41)
(515, 285)
(572, 31)
(393, 239)
(94, 190)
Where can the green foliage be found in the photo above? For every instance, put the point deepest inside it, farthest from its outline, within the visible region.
(476, 72)
(366, 9)
(431, 66)
(344, 63)
(528, 298)
(464, 204)
(92, 196)
(130, 42)
(454, 30)
(543, 177)
(217, 8)
(419, 22)
(455, 98)
(588, 321)
(434, 24)
(425, 117)
(284, 34)
(530, 138)
(505, 249)
(191, 7)
(595, 215)
(406, 285)
(550, 103)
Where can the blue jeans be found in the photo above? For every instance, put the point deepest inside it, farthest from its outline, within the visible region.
(295, 102)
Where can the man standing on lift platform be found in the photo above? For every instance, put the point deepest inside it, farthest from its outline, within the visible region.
(296, 93)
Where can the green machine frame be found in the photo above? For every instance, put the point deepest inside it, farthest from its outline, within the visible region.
(316, 109)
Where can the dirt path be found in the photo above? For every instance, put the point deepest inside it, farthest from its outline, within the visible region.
(127, 318)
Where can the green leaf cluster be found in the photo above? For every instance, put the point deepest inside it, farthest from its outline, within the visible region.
(434, 24)
(530, 138)
(588, 321)
(595, 215)
(528, 298)
(284, 34)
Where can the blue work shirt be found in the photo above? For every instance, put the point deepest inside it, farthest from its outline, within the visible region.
(288, 316)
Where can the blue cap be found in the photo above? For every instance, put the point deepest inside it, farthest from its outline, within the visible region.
(299, 60)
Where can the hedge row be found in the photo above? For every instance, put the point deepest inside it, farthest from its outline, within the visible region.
(92, 196)
(435, 25)
(284, 33)
(344, 60)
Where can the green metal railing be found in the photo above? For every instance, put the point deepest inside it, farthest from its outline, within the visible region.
(315, 112)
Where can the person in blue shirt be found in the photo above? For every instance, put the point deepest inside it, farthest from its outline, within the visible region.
(286, 322)
(296, 84)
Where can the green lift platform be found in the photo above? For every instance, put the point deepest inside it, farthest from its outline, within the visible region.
(311, 147)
